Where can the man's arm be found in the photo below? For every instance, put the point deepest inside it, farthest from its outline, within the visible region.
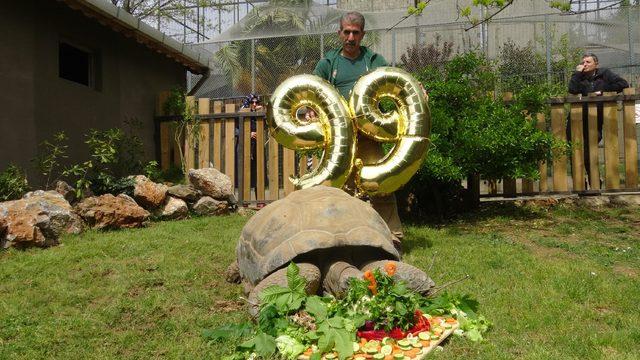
(575, 87)
(613, 82)
(323, 68)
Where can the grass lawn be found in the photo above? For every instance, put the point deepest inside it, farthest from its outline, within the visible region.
(558, 283)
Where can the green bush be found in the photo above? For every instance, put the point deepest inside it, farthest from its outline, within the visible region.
(13, 183)
(473, 133)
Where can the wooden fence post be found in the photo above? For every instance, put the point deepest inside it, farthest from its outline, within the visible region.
(594, 163)
(610, 135)
(274, 186)
(542, 185)
(577, 155)
(260, 165)
(229, 143)
(217, 136)
(630, 142)
(558, 129)
(165, 131)
(203, 138)
(189, 141)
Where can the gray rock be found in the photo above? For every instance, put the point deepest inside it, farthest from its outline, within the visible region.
(184, 192)
(625, 200)
(593, 201)
(173, 208)
(66, 190)
(147, 193)
(209, 206)
(211, 182)
(38, 219)
(111, 212)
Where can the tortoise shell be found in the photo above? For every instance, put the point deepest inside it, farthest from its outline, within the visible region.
(306, 220)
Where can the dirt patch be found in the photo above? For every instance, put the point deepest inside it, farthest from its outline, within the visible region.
(626, 270)
(227, 306)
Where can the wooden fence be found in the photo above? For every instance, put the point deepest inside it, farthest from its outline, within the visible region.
(260, 167)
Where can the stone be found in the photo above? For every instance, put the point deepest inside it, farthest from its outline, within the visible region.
(173, 208)
(246, 212)
(184, 192)
(147, 193)
(128, 198)
(211, 182)
(593, 201)
(38, 219)
(111, 212)
(64, 189)
(625, 200)
(210, 206)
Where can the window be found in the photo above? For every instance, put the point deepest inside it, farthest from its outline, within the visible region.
(77, 64)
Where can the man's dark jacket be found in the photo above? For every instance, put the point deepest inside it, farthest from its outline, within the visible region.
(603, 80)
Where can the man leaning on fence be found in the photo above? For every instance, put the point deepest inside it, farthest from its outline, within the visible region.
(342, 68)
(590, 78)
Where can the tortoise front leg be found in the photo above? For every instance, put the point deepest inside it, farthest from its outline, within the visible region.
(307, 271)
(415, 278)
(336, 280)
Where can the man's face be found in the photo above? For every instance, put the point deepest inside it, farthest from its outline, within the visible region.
(351, 36)
(588, 64)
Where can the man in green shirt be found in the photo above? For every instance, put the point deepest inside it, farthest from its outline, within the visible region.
(342, 68)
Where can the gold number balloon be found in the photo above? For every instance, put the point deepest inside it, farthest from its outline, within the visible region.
(408, 127)
(335, 127)
(332, 130)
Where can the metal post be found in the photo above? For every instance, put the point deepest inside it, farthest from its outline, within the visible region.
(630, 32)
(184, 22)
(393, 48)
(484, 33)
(321, 46)
(253, 65)
(547, 46)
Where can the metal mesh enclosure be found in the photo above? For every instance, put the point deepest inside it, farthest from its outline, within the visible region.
(530, 48)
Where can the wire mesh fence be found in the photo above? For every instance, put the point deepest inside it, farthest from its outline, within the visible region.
(524, 49)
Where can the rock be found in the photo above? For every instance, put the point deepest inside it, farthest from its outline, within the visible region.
(625, 200)
(111, 212)
(38, 219)
(173, 208)
(246, 212)
(184, 192)
(128, 198)
(147, 193)
(66, 191)
(593, 201)
(211, 182)
(210, 206)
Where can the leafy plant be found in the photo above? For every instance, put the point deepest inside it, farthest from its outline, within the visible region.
(422, 56)
(13, 183)
(474, 133)
(49, 155)
(187, 124)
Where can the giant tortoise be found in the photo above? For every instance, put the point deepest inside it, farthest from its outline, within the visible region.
(328, 233)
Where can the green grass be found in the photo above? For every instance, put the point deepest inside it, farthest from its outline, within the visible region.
(560, 283)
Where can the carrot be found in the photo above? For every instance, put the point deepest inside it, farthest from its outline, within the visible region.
(308, 352)
(388, 357)
(412, 353)
(425, 342)
(451, 320)
(368, 356)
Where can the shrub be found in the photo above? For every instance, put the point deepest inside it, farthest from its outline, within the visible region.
(472, 133)
(50, 153)
(13, 183)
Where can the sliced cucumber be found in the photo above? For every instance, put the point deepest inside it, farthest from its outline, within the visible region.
(425, 335)
(435, 337)
(356, 347)
(404, 342)
(386, 350)
(378, 356)
(398, 357)
(330, 356)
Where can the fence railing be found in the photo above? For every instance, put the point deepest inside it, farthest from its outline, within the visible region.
(260, 168)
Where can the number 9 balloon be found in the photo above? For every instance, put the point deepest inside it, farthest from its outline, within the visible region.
(336, 123)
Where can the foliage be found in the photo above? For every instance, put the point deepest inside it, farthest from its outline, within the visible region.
(98, 173)
(422, 56)
(13, 183)
(292, 321)
(50, 153)
(187, 124)
(473, 133)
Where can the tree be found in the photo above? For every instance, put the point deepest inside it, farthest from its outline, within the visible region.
(183, 12)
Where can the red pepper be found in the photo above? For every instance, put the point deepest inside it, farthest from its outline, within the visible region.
(372, 334)
(397, 334)
(420, 323)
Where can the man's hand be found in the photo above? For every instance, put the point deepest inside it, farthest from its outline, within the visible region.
(579, 68)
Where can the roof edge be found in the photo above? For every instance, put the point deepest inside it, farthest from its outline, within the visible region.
(195, 59)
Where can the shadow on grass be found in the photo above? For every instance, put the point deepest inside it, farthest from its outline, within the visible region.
(486, 211)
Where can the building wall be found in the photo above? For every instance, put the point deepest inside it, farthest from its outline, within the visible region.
(36, 102)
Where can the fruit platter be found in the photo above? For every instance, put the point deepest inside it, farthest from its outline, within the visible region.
(377, 318)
